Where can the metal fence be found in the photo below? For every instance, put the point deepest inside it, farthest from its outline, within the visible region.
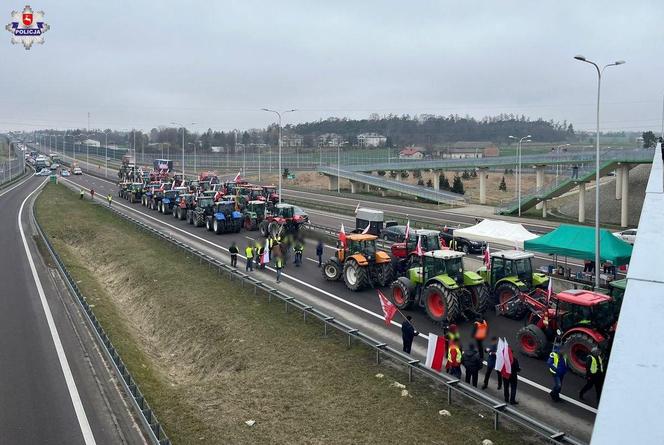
(12, 168)
(413, 367)
(148, 419)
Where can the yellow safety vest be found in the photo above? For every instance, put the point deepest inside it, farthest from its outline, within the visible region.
(596, 365)
(456, 360)
(280, 263)
(451, 336)
(249, 252)
(554, 368)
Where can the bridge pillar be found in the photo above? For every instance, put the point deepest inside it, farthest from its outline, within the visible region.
(544, 213)
(436, 180)
(353, 187)
(624, 203)
(333, 182)
(482, 175)
(582, 202)
(619, 177)
(539, 181)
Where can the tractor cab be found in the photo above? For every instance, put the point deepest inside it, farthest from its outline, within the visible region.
(205, 203)
(255, 194)
(285, 211)
(512, 263)
(578, 307)
(270, 193)
(429, 241)
(361, 244)
(257, 208)
(359, 263)
(441, 262)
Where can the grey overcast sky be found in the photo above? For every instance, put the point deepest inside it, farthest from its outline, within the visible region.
(146, 63)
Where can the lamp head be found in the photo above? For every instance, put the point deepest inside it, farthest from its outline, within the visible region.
(619, 62)
(580, 57)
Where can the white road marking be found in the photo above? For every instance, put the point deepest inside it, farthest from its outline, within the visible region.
(330, 295)
(86, 431)
(15, 186)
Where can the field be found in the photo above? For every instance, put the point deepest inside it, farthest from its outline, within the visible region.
(210, 356)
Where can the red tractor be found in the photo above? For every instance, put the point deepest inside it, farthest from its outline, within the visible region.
(429, 241)
(281, 221)
(578, 320)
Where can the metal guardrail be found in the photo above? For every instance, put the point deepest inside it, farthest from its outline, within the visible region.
(382, 350)
(148, 419)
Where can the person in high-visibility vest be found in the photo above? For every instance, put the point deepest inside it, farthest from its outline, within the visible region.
(249, 253)
(594, 374)
(81, 195)
(480, 332)
(278, 265)
(109, 198)
(558, 368)
(453, 364)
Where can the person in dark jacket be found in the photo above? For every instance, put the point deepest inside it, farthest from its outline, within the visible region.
(408, 333)
(233, 250)
(319, 252)
(473, 363)
(557, 364)
(491, 364)
(509, 389)
(594, 373)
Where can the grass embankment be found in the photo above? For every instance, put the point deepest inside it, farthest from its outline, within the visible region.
(210, 356)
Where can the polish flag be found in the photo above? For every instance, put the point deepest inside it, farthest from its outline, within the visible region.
(366, 229)
(358, 206)
(500, 358)
(389, 309)
(418, 248)
(265, 258)
(435, 352)
(487, 257)
(506, 362)
(342, 235)
(407, 230)
(237, 176)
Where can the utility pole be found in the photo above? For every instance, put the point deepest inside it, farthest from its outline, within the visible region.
(280, 171)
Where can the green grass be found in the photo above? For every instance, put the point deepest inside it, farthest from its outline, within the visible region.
(209, 355)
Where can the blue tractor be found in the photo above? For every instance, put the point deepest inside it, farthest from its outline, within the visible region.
(224, 218)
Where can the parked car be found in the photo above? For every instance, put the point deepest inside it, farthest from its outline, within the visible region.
(301, 213)
(463, 244)
(78, 171)
(629, 235)
(394, 233)
(65, 172)
(43, 172)
(55, 166)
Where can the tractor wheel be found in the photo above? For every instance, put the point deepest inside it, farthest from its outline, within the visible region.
(515, 309)
(465, 249)
(441, 303)
(208, 226)
(402, 293)
(182, 215)
(479, 298)
(355, 276)
(385, 273)
(273, 229)
(174, 212)
(263, 229)
(331, 270)
(216, 227)
(576, 348)
(532, 341)
(152, 205)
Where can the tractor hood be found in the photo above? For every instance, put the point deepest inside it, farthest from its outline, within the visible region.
(447, 281)
(471, 278)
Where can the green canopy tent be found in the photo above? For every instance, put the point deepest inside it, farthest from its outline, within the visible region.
(579, 242)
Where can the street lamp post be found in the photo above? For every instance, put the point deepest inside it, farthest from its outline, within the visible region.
(597, 166)
(106, 155)
(518, 174)
(183, 132)
(279, 115)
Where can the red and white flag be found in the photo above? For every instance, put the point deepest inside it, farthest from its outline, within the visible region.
(487, 257)
(366, 229)
(358, 206)
(435, 352)
(265, 258)
(389, 309)
(504, 358)
(237, 176)
(418, 248)
(342, 235)
(407, 230)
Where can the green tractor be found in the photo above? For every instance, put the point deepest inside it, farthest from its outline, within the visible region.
(510, 274)
(198, 215)
(254, 214)
(441, 286)
(135, 192)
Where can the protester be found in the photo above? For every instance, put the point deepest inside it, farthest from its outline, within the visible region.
(480, 331)
(110, 199)
(298, 248)
(81, 194)
(594, 374)
(471, 360)
(233, 250)
(509, 387)
(491, 364)
(558, 368)
(249, 253)
(319, 252)
(279, 264)
(92, 194)
(453, 364)
(408, 333)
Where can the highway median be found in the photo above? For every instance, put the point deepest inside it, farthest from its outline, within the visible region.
(220, 365)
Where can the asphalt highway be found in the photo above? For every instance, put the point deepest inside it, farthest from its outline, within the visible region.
(54, 386)
(362, 309)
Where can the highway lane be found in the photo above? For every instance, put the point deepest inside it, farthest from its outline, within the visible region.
(54, 386)
(362, 308)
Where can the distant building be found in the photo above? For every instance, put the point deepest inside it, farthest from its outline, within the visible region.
(330, 140)
(371, 140)
(412, 153)
(468, 149)
(91, 143)
(292, 140)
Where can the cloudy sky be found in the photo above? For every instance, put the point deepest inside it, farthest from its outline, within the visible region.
(147, 63)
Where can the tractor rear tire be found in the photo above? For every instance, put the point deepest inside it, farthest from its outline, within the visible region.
(356, 277)
(174, 212)
(182, 214)
(385, 273)
(263, 229)
(532, 341)
(441, 303)
(515, 309)
(479, 297)
(576, 348)
(273, 229)
(208, 226)
(216, 227)
(403, 291)
(332, 270)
